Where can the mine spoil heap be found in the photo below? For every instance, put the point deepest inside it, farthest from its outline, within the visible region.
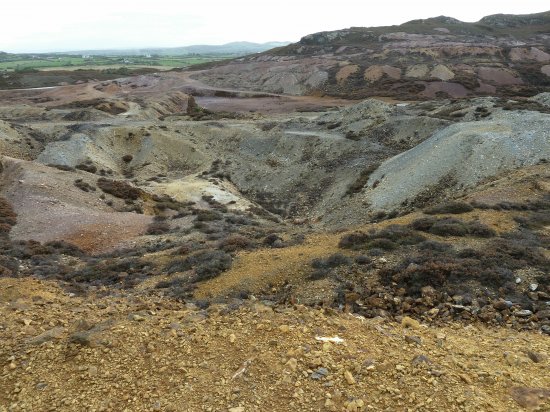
(357, 221)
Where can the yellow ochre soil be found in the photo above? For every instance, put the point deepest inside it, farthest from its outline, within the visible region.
(62, 352)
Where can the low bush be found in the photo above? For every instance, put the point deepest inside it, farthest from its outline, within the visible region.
(534, 220)
(179, 288)
(64, 248)
(204, 215)
(82, 185)
(449, 207)
(322, 267)
(5, 272)
(118, 188)
(8, 217)
(273, 240)
(87, 166)
(363, 260)
(401, 235)
(234, 243)
(175, 282)
(535, 205)
(201, 226)
(240, 220)
(332, 261)
(381, 243)
(444, 272)
(434, 246)
(361, 180)
(102, 271)
(388, 238)
(214, 204)
(449, 226)
(514, 254)
(480, 205)
(207, 264)
(478, 229)
(64, 168)
(158, 228)
(28, 249)
(375, 252)
(354, 240)
(491, 266)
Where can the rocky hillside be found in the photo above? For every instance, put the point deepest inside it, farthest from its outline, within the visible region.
(192, 206)
(167, 245)
(438, 57)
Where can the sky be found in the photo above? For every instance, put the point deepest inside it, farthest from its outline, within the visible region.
(65, 25)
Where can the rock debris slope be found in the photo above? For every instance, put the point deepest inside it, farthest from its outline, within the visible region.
(420, 59)
(461, 155)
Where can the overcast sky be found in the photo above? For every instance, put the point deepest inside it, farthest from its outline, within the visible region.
(63, 25)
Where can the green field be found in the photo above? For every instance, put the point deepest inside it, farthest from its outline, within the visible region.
(25, 62)
(20, 71)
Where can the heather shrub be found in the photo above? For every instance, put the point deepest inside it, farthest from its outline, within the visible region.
(234, 243)
(449, 226)
(207, 264)
(8, 217)
(87, 166)
(323, 266)
(492, 266)
(389, 238)
(82, 185)
(354, 240)
(207, 215)
(444, 272)
(158, 228)
(118, 188)
(449, 207)
(361, 180)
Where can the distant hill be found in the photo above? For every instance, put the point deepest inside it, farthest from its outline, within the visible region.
(234, 48)
(506, 55)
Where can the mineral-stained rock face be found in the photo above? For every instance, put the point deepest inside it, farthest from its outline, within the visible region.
(463, 154)
(498, 76)
(520, 53)
(442, 72)
(417, 71)
(375, 73)
(502, 55)
(345, 72)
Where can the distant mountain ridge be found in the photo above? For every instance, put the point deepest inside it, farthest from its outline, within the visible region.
(502, 55)
(233, 48)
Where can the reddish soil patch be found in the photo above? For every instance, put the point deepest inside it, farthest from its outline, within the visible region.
(273, 105)
(451, 89)
(498, 76)
(96, 238)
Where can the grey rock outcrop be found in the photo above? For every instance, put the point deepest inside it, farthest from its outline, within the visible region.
(461, 155)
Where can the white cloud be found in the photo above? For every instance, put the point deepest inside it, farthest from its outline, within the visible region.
(38, 25)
